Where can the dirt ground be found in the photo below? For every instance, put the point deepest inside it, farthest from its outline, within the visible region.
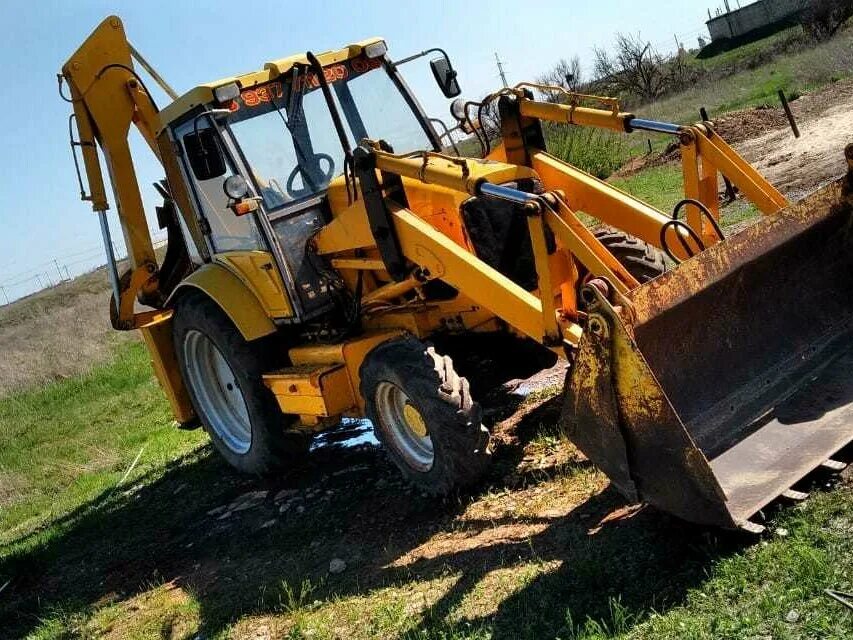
(796, 166)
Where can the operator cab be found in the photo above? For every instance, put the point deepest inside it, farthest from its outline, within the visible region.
(289, 133)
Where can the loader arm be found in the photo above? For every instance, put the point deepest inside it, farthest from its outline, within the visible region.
(704, 156)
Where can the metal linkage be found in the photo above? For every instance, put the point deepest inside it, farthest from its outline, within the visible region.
(112, 267)
(639, 124)
(506, 193)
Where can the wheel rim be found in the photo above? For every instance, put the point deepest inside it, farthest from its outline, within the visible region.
(406, 426)
(217, 392)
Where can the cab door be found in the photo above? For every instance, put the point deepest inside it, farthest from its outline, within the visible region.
(239, 243)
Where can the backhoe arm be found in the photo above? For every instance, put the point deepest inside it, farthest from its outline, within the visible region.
(108, 96)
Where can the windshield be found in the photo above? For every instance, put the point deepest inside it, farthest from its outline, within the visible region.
(290, 142)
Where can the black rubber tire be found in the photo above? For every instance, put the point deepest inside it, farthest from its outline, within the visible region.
(272, 447)
(642, 260)
(443, 398)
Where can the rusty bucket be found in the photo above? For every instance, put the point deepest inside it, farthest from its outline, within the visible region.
(709, 391)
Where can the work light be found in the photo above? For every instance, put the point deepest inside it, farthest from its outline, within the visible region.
(226, 93)
(376, 49)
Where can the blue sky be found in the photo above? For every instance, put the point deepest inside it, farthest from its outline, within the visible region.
(188, 42)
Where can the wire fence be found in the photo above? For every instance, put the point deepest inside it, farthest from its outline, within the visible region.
(59, 269)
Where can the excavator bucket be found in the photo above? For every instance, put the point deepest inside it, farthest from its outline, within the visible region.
(709, 391)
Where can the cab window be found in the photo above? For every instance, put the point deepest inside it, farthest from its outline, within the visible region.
(228, 232)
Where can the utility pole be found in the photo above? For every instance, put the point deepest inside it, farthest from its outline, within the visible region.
(67, 275)
(58, 270)
(41, 284)
(501, 70)
(5, 295)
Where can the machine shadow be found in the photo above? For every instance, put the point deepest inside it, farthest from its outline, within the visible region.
(350, 505)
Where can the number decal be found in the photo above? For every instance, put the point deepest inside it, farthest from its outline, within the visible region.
(265, 93)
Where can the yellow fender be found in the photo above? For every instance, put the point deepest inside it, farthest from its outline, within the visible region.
(233, 297)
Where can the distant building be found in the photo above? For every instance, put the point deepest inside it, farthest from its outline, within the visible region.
(757, 16)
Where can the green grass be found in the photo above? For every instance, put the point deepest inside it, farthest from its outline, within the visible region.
(597, 151)
(753, 53)
(801, 71)
(525, 557)
(662, 187)
(65, 443)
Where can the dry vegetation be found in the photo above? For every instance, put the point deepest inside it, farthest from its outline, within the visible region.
(56, 333)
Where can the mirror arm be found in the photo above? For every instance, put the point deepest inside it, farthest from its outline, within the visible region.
(209, 113)
(415, 56)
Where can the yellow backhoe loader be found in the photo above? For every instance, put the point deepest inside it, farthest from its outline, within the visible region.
(321, 237)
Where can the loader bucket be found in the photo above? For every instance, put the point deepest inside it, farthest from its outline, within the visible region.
(712, 389)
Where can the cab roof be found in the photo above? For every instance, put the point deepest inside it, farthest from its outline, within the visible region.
(203, 93)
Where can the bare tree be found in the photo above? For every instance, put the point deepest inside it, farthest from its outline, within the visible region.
(635, 68)
(823, 18)
(566, 74)
(680, 74)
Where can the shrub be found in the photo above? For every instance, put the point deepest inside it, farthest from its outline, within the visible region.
(596, 151)
(823, 18)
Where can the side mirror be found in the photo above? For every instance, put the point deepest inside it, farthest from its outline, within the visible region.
(203, 152)
(445, 76)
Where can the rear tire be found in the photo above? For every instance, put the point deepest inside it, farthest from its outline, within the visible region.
(223, 372)
(424, 416)
(642, 260)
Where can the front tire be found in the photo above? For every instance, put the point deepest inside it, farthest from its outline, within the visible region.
(223, 374)
(424, 416)
(642, 260)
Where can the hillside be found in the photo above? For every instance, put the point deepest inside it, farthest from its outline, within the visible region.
(56, 333)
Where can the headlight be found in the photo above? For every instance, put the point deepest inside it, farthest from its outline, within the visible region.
(457, 110)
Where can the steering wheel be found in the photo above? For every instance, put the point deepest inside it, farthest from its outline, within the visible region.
(298, 170)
